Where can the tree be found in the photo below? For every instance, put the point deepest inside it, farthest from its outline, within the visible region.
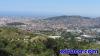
(72, 43)
(52, 44)
(4, 53)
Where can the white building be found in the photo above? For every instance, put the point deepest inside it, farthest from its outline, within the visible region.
(54, 37)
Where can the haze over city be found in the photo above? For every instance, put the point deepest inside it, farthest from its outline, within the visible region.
(49, 7)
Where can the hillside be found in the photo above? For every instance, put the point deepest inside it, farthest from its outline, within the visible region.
(59, 22)
(70, 21)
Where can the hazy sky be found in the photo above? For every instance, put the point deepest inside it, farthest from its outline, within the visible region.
(50, 7)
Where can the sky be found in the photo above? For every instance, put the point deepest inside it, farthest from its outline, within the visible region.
(50, 7)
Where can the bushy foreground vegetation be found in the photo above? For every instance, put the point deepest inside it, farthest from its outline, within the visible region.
(16, 42)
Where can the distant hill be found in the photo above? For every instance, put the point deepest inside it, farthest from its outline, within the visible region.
(15, 23)
(70, 21)
(67, 17)
(60, 22)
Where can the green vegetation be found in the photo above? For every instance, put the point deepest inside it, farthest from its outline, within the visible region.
(16, 42)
